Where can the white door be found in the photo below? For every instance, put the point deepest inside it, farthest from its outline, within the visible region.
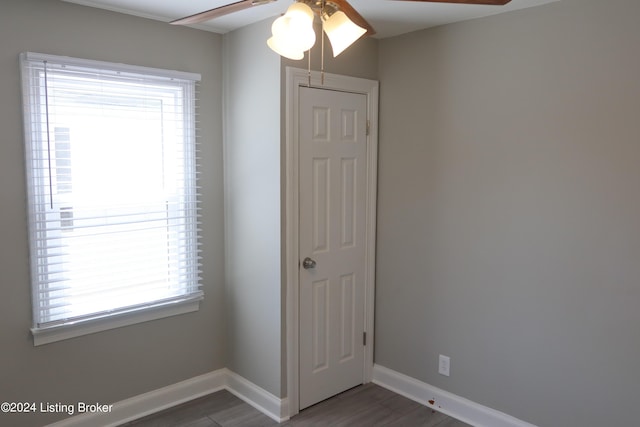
(333, 184)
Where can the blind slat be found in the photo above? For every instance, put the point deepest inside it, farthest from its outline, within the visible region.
(121, 310)
(148, 284)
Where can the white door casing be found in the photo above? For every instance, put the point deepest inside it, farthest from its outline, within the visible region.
(297, 80)
(333, 149)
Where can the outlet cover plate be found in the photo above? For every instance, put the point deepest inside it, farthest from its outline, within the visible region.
(444, 365)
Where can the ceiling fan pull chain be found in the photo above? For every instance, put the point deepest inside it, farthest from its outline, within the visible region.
(309, 67)
(322, 45)
(322, 62)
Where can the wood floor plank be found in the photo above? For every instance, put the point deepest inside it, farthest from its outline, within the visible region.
(202, 422)
(368, 405)
(420, 417)
(242, 415)
(451, 422)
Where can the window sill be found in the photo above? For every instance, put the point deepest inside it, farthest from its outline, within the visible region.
(58, 333)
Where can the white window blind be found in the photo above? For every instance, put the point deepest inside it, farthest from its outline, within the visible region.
(112, 196)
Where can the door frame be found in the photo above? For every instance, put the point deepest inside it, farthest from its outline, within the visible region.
(296, 78)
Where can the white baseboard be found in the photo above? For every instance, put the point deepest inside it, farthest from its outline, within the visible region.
(184, 391)
(262, 400)
(277, 408)
(442, 401)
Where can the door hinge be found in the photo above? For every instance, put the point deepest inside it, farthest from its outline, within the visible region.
(368, 127)
(364, 338)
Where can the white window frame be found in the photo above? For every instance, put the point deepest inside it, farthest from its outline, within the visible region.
(47, 332)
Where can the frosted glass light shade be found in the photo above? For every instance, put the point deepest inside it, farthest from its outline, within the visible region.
(293, 32)
(342, 32)
(300, 12)
(301, 37)
(280, 46)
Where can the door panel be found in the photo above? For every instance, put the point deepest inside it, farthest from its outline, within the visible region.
(333, 149)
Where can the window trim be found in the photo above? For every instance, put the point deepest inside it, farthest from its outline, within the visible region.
(90, 63)
(71, 330)
(152, 310)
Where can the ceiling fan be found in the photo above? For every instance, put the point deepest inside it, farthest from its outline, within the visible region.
(340, 4)
(293, 32)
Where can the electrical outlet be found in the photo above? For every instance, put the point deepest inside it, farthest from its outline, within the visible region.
(444, 365)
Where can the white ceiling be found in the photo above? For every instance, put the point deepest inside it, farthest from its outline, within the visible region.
(388, 17)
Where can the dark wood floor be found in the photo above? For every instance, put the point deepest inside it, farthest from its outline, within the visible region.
(364, 406)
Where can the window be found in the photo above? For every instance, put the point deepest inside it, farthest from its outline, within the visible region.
(113, 210)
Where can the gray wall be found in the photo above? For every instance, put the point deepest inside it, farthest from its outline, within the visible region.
(117, 364)
(509, 211)
(252, 206)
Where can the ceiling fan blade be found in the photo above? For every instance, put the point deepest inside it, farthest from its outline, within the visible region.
(354, 16)
(215, 13)
(487, 2)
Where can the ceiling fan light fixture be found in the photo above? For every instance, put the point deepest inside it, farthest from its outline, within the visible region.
(342, 31)
(293, 33)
